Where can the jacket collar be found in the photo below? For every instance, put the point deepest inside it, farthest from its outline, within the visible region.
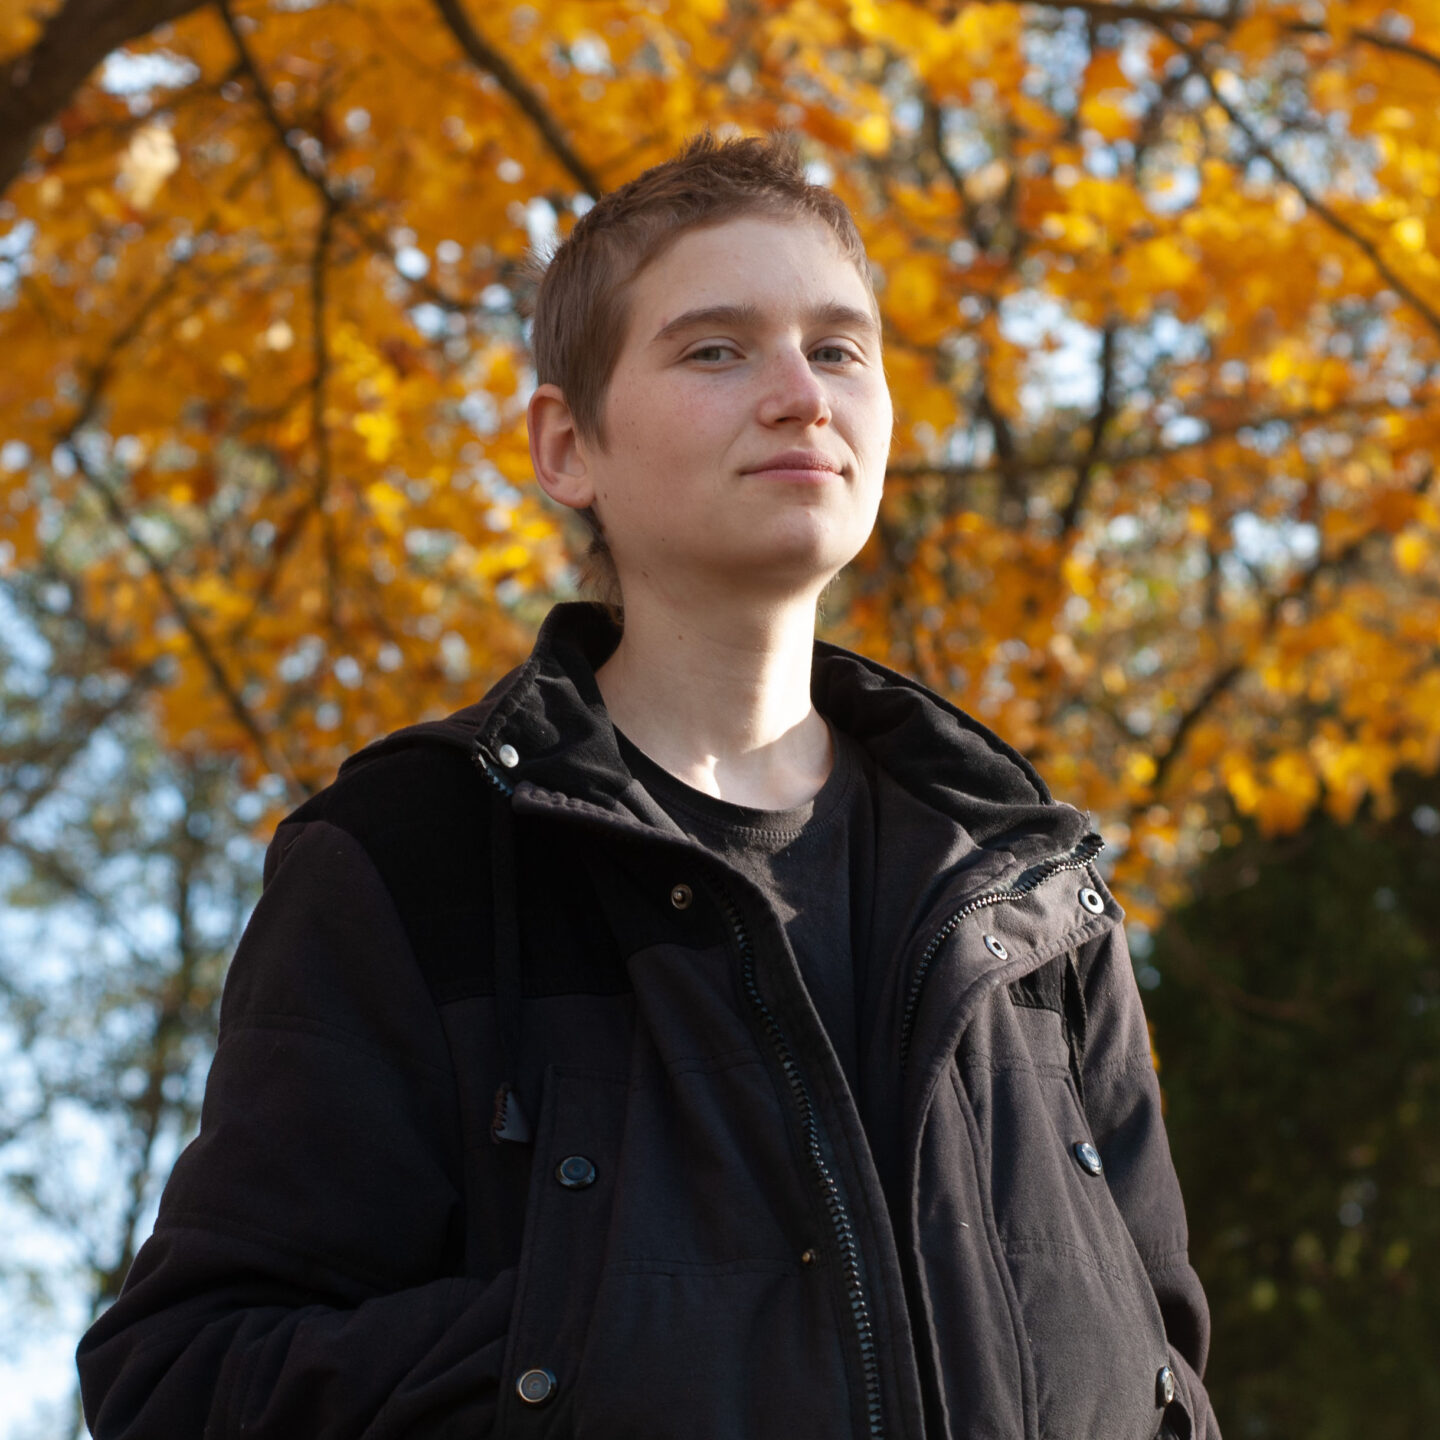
(550, 713)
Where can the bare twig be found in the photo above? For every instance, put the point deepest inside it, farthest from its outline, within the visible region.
(1104, 413)
(153, 1107)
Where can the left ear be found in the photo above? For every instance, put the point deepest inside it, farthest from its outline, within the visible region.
(555, 449)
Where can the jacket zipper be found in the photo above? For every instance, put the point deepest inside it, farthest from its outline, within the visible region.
(835, 1208)
(1077, 859)
(486, 762)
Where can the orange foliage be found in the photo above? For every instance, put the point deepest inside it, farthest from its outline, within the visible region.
(1163, 320)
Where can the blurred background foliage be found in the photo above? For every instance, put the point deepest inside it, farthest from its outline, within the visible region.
(1295, 1002)
(1162, 312)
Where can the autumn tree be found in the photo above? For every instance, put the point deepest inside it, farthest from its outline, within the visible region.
(1161, 313)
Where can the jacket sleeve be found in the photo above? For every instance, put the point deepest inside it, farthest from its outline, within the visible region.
(302, 1279)
(1123, 1106)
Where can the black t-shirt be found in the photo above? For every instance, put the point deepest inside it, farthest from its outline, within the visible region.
(815, 863)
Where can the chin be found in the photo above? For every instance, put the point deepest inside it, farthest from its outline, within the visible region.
(786, 571)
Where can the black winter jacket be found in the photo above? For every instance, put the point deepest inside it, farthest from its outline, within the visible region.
(679, 1220)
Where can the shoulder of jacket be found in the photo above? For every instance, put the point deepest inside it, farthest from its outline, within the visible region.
(408, 781)
(420, 810)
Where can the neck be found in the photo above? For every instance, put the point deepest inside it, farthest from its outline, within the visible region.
(719, 695)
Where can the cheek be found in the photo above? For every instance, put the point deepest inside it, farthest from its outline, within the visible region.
(873, 424)
(649, 420)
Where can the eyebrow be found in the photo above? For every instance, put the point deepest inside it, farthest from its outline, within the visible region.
(741, 317)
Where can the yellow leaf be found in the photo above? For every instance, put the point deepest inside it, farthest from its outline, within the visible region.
(102, 202)
(1289, 796)
(380, 431)
(1243, 787)
(1078, 573)
(1410, 234)
(1108, 118)
(911, 291)
(1141, 768)
(872, 134)
(1412, 550)
(387, 505)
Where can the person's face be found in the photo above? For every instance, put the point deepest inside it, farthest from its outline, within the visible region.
(747, 421)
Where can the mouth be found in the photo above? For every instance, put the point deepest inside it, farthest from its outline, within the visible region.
(797, 465)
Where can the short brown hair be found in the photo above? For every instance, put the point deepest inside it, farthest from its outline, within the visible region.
(581, 304)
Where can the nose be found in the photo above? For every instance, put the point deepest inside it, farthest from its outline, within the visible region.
(793, 393)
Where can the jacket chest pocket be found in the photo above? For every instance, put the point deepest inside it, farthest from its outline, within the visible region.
(662, 1290)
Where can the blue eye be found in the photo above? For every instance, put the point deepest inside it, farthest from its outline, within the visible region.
(832, 354)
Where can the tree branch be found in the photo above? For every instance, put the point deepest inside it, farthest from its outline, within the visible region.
(151, 1109)
(1171, 22)
(1114, 13)
(923, 470)
(315, 173)
(1169, 19)
(1010, 469)
(1104, 413)
(38, 85)
(1226, 678)
(487, 58)
(320, 353)
(265, 746)
(1380, 42)
(1331, 217)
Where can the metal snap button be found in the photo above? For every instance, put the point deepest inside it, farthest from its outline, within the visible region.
(536, 1386)
(681, 896)
(1165, 1386)
(575, 1172)
(508, 756)
(1088, 1157)
(996, 948)
(1091, 900)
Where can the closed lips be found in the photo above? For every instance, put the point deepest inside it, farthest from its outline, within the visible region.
(796, 460)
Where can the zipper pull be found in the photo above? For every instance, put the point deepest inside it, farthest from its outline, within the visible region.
(489, 766)
(509, 1121)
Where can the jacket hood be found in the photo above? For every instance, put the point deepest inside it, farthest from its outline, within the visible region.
(550, 712)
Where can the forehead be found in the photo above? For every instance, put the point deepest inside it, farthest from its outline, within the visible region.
(776, 263)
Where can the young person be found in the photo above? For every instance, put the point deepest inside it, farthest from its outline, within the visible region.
(709, 1034)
